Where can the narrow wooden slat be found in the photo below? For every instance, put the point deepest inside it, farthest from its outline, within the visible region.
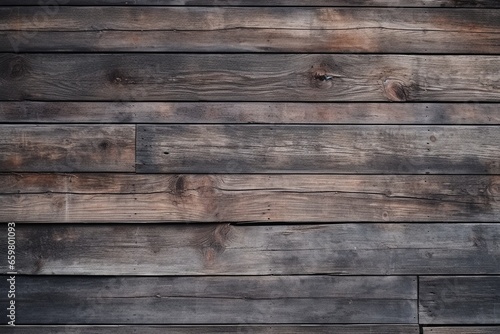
(255, 112)
(462, 330)
(222, 249)
(460, 300)
(264, 29)
(247, 198)
(215, 300)
(67, 148)
(249, 77)
(318, 149)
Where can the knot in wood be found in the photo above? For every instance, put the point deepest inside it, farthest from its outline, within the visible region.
(17, 67)
(396, 90)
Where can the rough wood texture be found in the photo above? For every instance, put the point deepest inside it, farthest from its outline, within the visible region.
(247, 198)
(352, 249)
(460, 300)
(254, 112)
(251, 29)
(249, 77)
(69, 148)
(215, 300)
(318, 149)
(462, 330)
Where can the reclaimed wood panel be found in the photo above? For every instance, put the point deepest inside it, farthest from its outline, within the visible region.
(253, 112)
(68, 148)
(318, 149)
(462, 330)
(215, 300)
(251, 29)
(249, 77)
(223, 249)
(460, 300)
(247, 198)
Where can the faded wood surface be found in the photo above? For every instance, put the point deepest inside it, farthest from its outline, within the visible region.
(253, 112)
(208, 300)
(460, 300)
(462, 330)
(318, 149)
(249, 77)
(251, 29)
(223, 249)
(247, 198)
(69, 148)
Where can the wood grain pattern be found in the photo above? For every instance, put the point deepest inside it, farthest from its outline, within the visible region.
(254, 112)
(247, 198)
(71, 148)
(460, 300)
(318, 149)
(222, 249)
(249, 77)
(251, 29)
(462, 330)
(215, 300)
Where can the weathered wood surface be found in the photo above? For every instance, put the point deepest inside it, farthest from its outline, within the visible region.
(215, 300)
(253, 112)
(250, 29)
(247, 198)
(462, 330)
(460, 300)
(346, 149)
(249, 77)
(249, 329)
(222, 249)
(68, 148)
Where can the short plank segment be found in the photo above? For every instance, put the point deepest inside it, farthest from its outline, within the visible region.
(462, 330)
(251, 29)
(223, 249)
(249, 77)
(253, 112)
(460, 300)
(68, 148)
(247, 198)
(318, 149)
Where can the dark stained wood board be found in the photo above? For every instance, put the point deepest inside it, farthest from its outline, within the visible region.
(249, 77)
(247, 198)
(215, 300)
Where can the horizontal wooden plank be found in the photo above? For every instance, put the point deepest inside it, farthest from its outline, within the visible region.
(462, 330)
(215, 300)
(223, 249)
(250, 29)
(68, 148)
(248, 77)
(347, 149)
(460, 300)
(253, 112)
(247, 198)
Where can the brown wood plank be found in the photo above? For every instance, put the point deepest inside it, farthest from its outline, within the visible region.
(247, 198)
(249, 77)
(460, 300)
(318, 149)
(254, 112)
(215, 300)
(68, 148)
(462, 330)
(223, 249)
(251, 29)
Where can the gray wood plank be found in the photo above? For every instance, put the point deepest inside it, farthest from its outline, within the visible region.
(223, 249)
(460, 300)
(249, 77)
(318, 149)
(68, 148)
(462, 330)
(215, 300)
(253, 112)
(247, 198)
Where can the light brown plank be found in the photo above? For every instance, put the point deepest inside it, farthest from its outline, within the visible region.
(460, 299)
(68, 148)
(462, 330)
(318, 149)
(247, 198)
(215, 300)
(255, 112)
(249, 77)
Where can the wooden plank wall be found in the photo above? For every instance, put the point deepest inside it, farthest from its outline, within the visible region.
(251, 166)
